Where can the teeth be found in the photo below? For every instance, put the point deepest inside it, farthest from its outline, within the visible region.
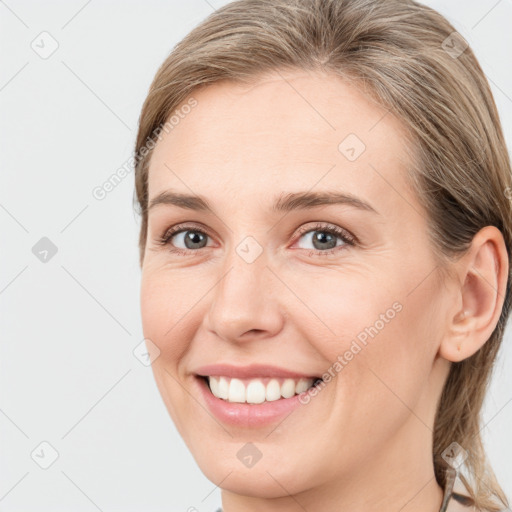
(273, 391)
(236, 391)
(302, 386)
(257, 391)
(288, 388)
(223, 388)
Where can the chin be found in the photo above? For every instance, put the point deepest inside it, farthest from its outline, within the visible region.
(268, 477)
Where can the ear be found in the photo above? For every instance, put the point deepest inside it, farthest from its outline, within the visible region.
(483, 272)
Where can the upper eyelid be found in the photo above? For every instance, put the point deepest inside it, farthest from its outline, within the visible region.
(174, 230)
(319, 225)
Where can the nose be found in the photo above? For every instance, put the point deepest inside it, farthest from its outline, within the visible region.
(245, 304)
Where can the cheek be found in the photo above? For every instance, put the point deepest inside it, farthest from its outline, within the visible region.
(154, 308)
(347, 311)
(379, 338)
(398, 347)
(164, 304)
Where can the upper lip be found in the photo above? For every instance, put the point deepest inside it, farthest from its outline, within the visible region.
(251, 371)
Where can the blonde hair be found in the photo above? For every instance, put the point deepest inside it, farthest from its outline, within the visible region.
(402, 53)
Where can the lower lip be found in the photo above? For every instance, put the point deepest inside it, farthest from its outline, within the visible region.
(248, 415)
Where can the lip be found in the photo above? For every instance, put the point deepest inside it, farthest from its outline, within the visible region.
(247, 415)
(252, 371)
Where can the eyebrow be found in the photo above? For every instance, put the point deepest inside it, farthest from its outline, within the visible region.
(283, 203)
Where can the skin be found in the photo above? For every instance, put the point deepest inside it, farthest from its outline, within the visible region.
(364, 443)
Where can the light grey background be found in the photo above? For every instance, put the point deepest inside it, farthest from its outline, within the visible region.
(67, 372)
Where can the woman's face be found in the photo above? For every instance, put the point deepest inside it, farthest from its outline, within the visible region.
(256, 290)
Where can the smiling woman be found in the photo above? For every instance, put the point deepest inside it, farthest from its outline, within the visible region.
(325, 246)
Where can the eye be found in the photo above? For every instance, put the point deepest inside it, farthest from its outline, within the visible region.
(184, 240)
(325, 238)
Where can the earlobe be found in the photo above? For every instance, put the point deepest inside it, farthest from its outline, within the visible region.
(456, 344)
(484, 272)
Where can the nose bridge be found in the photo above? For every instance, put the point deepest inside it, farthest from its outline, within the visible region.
(246, 259)
(246, 265)
(243, 299)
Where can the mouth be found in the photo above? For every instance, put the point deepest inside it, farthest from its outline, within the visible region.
(257, 390)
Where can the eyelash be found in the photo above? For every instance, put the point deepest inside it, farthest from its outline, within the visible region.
(346, 237)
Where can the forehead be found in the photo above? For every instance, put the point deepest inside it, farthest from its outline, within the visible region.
(287, 130)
